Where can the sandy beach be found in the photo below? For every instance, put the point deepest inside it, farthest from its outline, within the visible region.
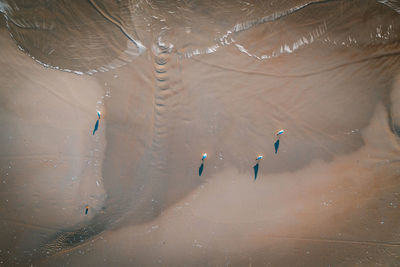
(327, 73)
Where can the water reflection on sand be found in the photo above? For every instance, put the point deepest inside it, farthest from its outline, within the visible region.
(220, 77)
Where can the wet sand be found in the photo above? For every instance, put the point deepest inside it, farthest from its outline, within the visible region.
(338, 213)
(50, 162)
(330, 195)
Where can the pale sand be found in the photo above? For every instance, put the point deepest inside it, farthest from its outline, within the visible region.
(338, 213)
(49, 160)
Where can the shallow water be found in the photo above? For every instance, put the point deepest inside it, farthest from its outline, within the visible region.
(174, 80)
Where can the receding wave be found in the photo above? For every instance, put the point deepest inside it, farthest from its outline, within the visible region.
(107, 34)
(68, 35)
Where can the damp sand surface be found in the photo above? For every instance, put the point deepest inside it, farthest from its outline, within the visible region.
(328, 197)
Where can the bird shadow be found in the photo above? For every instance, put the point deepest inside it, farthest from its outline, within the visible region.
(255, 167)
(276, 145)
(96, 126)
(201, 168)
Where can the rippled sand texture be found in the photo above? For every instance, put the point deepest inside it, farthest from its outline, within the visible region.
(174, 80)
